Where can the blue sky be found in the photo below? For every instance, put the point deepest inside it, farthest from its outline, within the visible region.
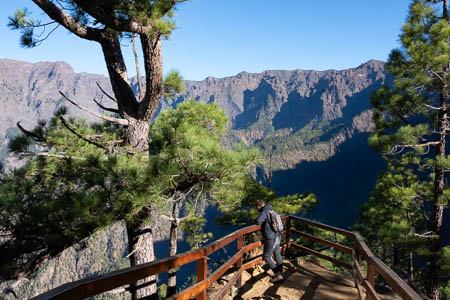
(224, 37)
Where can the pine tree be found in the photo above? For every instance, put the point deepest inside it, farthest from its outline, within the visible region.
(109, 23)
(412, 116)
(392, 217)
(188, 163)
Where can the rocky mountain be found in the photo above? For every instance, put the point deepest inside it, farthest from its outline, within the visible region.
(299, 119)
(312, 127)
(29, 92)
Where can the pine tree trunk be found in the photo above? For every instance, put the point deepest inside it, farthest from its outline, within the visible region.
(140, 241)
(172, 274)
(411, 269)
(395, 259)
(438, 208)
(136, 133)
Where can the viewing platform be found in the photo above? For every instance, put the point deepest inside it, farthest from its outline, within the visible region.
(241, 277)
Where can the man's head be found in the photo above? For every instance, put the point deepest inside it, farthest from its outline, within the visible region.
(260, 204)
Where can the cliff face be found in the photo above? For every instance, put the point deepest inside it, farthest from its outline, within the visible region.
(294, 115)
(29, 92)
(312, 124)
(290, 98)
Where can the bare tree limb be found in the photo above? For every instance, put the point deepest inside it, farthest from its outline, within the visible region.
(427, 235)
(399, 148)
(110, 119)
(113, 110)
(138, 72)
(166, 217)
(107, 95)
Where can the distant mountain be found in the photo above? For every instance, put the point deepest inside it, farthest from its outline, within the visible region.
(298, 118)
(313, 124)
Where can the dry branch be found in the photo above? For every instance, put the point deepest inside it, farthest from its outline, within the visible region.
(104, 92)
(113, 110)
(110, 119)
(79, 135)
(29, 133)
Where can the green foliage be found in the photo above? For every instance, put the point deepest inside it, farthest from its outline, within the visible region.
(194, 233)
(186, 155)
(394, 214)
(58, 199)
(445, 272)
(162, 291)
(247, 212)
(21, 20)
(173, 83)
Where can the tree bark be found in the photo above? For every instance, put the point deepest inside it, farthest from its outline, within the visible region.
(140, 245)
(411, 269)
(438, 208)
(153, 64)
(172, 274)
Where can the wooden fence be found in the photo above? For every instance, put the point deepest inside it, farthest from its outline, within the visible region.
(96, 285)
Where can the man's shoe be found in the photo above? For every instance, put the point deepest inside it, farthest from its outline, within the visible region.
(276, 279)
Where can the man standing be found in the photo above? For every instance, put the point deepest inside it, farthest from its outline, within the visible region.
(271, 241)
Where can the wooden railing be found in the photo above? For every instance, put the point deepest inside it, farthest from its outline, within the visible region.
(96, 285)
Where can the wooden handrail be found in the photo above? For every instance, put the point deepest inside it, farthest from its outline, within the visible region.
(96, 285)
(374, 264)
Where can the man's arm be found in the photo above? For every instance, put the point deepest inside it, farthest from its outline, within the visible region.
(262, 217)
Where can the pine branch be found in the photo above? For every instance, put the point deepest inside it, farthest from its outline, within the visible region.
(133, 25)
(432, 107)
(400, 148)
(427, 235)
(47, 154)
(110, 119)
(58, 15)
(47, 36)
(80, 136)
(35, 137)
(107, 95)
(113, 110)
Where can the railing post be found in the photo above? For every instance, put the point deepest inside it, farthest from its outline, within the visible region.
(202, 270)
(287, 253)
(240, 244)
(370, 275)
(355, 255)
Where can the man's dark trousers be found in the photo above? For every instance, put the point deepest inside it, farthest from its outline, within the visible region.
(272, 246)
